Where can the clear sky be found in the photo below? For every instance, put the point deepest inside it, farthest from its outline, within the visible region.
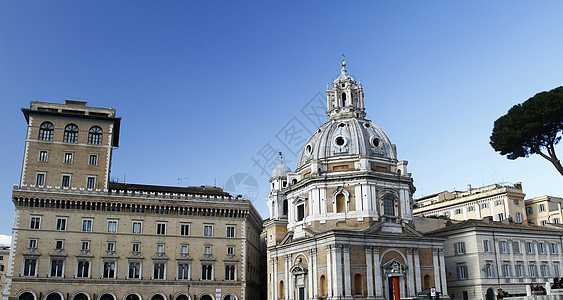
(210, 91)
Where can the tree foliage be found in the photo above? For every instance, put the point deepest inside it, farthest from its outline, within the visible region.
(532, 127)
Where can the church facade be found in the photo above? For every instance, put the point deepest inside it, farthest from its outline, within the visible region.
(341, 225)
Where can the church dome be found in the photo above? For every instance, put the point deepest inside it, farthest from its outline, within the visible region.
(280, 170)
(347, 136)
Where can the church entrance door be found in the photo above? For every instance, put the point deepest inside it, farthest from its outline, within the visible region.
(394, 288)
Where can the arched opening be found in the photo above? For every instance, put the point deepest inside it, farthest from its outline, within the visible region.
(284, 204)
(182, 297)
(157, 297)
(340, 203)
(490, 294)
(427, 284)
(358, 285)
(81, 296)
(205, 297)
(229, 297)
(107, 296)
(343, 99)
(95, 135)
(54, 296)
(71, 134)
(46, 131)
(323, 287)
(281, 290)
(26, 296)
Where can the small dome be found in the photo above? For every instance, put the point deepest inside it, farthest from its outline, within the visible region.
(347, 136)
(280, 170)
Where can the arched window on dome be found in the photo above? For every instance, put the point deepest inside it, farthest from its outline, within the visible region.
(343, 99)
(284, 207)
(389, 205)
(46, 131)
(71, 134)
(95, 135)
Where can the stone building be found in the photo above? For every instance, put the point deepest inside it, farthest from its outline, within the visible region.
(77, 236)
(544, 210)
(499, 201)
(341, 225)
(4, 259)
(485, 255)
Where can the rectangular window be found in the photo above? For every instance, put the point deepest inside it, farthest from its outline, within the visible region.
(520, 270)
(500, 216)
(470, 208)
(553, 248)
(530, 248)
(541, 248)
(159, 270)
(110, 247)
(541, 207)
(506, 270)
(134, 270)
(30, 267)
(529, 210)
(457, 211)
(57, 267)
(503, 245)
(544, 270)
(498, 203)
(40, 179)
(183, 271)
(459, 248)
(67, 158)
(230, 250)
(160, 248)
(516, 247)
(230, 231)
(543, 223)
(137, 227)
(43, 156)
(65, 182)
(519, 218)
(109, 269)
(533, 270)
(462, 272)
(206, 272)
(161, 228)
(136, 247)
(487, 246)
(207, 250)
(516, 202)
(61, 224)
(556, 269)
(556, 220)
(35, 223)
(184, 229)
(207, 230)
(490, 270)
(484, 205)
(301, 212)
(83, 269)
(87, 225)
(32, 243)
(112, 226)
(230, 272)
(59, 244)
(85, 245)
(93, 161)
(184, 249)
(91, 182)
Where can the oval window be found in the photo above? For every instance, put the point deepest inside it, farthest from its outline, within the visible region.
(308, 149)
(375, 141)
(340, 141)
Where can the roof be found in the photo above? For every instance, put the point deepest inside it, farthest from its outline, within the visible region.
(472, 223)
(202, 190)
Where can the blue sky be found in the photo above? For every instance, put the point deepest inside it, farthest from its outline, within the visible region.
(205, 87)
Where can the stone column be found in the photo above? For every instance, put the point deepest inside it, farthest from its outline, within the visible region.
(417, 270)
(512, 262)
(496, 242)
(524, 254)
(337, 270)
(377, 269)
(274, 269)
(548, 245)
(436, 268)
(443, 272)
(287, 277)
(538, 269)
(329, 271)
(315, 273)
(410, 280)
(310, 274)
(347, 275)
(369, 273)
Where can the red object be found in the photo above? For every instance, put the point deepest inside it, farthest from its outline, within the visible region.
(396, 291)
